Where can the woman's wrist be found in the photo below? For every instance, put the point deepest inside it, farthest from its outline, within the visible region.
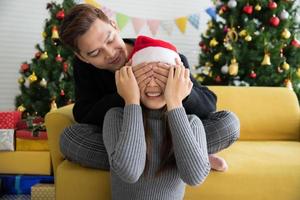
(173, 105)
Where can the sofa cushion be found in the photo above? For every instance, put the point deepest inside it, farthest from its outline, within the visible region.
(264, 168)
(267, 170)
(265, 113)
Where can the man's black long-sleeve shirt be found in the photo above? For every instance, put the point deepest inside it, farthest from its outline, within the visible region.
(96, 93)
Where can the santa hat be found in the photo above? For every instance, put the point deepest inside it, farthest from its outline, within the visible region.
(147, 49)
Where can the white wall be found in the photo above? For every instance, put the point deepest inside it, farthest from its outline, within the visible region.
(21, 27)
(22, 22)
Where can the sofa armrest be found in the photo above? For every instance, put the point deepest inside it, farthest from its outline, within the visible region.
(55, 122)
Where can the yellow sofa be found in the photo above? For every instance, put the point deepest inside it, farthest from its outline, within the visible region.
(263, 164)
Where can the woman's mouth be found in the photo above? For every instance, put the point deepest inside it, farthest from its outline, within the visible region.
(153, 94)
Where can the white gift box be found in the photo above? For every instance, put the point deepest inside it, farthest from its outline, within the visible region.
(7, 140)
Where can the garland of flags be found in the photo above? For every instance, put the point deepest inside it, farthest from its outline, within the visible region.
(153, 24)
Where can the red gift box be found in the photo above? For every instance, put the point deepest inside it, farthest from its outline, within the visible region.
(9, 120)
(30, 122)
(32, 135)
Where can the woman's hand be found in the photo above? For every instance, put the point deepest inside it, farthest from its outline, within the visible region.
(127, 85)
(179, 86)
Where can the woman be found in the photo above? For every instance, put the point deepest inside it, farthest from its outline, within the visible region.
(154, 148)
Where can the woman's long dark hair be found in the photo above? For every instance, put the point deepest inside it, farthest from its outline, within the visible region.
(167, 157)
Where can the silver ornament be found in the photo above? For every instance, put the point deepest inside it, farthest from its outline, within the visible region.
(284, 15)
(232, 3)
(224, 69)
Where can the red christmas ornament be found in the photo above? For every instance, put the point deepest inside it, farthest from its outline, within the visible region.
(272, 5)
(224, 8)
(218, 79)
(252, 75)
(295, 43)
(24, 67)
(60, 15)
(37, 55)
(225, 30)
(274, 21)
(62, 92)
(201, 44)
(248, 9)
(65, 67)
(58, 58)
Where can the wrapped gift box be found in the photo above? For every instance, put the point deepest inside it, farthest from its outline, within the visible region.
(43, 192)
(9, 120)
(21, 184)
(7, 140)
(32, 135)
(31, 145)
(30, 122)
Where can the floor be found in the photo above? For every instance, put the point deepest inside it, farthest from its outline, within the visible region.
(15, 197)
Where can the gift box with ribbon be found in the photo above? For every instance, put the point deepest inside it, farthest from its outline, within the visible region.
(7, 140)
(21, 184)
(43, 192)
(9, 120)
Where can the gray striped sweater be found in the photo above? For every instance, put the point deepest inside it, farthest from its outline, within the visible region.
(124, 139)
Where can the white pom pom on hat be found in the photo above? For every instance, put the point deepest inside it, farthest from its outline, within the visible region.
(147, 49)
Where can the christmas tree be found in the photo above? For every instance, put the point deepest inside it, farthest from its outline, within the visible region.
(251, 42)
(47, 81)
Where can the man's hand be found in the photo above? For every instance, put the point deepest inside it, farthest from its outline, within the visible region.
(143, 73)
(161, 72)
(127, 85)
(179, 86)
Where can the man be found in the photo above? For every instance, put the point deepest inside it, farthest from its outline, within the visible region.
(100, 51)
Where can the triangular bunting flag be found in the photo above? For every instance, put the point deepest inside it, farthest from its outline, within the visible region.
(181, 23)
(167, 25)
(122, 20)
(153, 25)
(93, 3)
(194, 20)
(211, 12)
(138, 24)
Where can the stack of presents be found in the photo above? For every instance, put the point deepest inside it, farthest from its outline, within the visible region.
(25, 165)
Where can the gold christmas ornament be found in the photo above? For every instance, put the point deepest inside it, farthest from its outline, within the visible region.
(44, 56)
(288, 84)
(233, 67)
(257, 7)
(243, 33)
(213, 42)
(266, 60)
(231, 34)
(32, 78)
(53, 105)
(286, 34)
(21, 80)
(54, 33)
(298, 72)
(285, 66)
(21, 108)
(217, 56)
(44, 34)
(209, 24)
(208, 64)
(248, 38)
(43, 83)
(228, 46)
